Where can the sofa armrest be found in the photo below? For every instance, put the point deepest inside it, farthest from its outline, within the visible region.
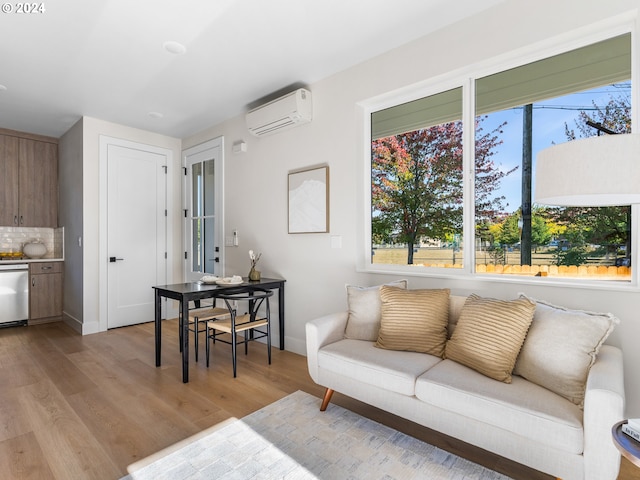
(603, 407)
(320, 332)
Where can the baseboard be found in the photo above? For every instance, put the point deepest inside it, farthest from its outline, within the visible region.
(295, 345)
(90, 327)
(73, 322)
(83, 328)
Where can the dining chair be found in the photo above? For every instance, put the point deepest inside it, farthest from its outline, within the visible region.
(253, 325)
(197, 316)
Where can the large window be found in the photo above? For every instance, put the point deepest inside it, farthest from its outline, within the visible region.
(418, 180)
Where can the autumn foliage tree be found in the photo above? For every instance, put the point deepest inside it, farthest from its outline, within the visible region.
(417, 186)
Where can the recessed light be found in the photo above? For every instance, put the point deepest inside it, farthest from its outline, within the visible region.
(174, 47)
(155, 115)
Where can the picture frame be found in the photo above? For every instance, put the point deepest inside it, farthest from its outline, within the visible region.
(308, 194)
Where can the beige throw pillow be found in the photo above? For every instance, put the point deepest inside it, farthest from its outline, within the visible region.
(489, 335)
(560, 348)
(364, 306)
(414, 320)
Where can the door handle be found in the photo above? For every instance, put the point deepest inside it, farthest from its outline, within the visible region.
(114, 259)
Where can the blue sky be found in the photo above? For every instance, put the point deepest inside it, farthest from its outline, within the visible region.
(549, 118)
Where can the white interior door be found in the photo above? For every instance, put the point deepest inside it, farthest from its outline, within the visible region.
(203, 210)
(136, 232)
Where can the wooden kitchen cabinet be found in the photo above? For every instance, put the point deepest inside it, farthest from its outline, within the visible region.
(29, 188)
(45, 292)
(9, 153)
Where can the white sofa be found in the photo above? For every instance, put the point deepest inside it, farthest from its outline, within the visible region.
(521, 420)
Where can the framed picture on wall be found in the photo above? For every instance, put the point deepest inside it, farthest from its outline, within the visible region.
(309, 200)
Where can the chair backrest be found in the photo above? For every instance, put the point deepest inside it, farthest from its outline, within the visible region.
(255, 297)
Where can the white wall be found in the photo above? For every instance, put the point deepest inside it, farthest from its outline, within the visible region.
(92, 130)
(70, 214)
(256, 181)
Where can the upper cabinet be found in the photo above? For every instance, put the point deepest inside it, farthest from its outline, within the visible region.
(29, 186)
(9, 191)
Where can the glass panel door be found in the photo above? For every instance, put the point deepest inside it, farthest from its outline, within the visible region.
(203, 227)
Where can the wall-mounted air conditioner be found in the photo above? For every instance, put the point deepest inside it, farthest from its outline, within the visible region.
(280, 114)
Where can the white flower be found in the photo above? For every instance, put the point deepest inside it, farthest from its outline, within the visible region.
(254, 258)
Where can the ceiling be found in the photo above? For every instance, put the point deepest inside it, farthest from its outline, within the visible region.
(105, 58)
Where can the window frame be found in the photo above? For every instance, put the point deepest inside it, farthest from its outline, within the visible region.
(466, 78)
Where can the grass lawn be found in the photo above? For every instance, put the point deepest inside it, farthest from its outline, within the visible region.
(543, 260)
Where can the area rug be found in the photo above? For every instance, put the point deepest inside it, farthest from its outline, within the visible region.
(291, 439)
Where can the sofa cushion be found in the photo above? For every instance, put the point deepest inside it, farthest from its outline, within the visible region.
(414, 320)
(456, 304)
(489, 335)
(521, 407)
(361, 361)
(364, 307)
(561, 346)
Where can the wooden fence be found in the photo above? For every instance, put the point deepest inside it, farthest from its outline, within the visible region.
(584, 271)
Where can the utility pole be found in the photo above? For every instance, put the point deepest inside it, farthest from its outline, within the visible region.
(525, 208)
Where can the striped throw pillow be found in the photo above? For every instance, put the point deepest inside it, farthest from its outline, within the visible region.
(414, 320)
(490, 334)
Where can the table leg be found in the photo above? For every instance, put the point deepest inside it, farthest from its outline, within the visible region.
(281, 314)
(184, 304)
(158, 320)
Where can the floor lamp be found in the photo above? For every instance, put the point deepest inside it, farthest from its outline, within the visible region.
(591, 172)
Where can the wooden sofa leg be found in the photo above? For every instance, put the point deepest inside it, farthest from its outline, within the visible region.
(326, 399)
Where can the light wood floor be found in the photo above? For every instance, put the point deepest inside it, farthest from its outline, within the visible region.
(74, 407)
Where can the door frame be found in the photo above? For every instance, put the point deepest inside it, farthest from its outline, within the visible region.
(217, 142)
(105, 142)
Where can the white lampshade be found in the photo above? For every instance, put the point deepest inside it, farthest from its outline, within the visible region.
(591, 172)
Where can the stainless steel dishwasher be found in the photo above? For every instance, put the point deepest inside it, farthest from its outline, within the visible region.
(14, 294)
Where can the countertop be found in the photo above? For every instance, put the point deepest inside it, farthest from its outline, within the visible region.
(31, 260)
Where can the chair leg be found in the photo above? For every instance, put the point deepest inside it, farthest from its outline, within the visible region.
(207, 347)
(326, 399)
(269, 339)
(195, 335)
(233, 351)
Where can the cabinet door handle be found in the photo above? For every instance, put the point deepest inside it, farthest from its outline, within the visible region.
(21, 220)
(33, 282)
(15, 219)
(46, 268)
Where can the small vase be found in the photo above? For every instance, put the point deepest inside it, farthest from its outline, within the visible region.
(254, 274)
(35, 249)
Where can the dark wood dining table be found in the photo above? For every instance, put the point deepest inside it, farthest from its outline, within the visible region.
(196, 291)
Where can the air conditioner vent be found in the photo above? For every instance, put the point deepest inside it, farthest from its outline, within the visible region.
(280, 114)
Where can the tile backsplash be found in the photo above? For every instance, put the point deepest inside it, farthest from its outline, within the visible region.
(13, 238)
